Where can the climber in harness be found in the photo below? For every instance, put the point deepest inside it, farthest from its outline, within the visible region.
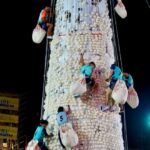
(43, 21)
(62, 118)
(128, 80)
(133, 99)
(68, 138)
(87, 70)
(40, 133)
(115, 74)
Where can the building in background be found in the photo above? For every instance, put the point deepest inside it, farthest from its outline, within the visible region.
(9, 120)
(13, 121)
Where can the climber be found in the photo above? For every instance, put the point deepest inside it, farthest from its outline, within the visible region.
(87, 70)
(62, 115)
(67, 136)
(128, 80)
(62, 118)
(40, 133)
(115, 74)
(43, 21)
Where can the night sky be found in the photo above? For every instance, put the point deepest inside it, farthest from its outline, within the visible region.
(22, 61)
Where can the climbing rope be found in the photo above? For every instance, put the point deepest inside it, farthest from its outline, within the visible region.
(148, 4)
(47, 56)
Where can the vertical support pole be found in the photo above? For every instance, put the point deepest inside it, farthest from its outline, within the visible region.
(117, 54)
(47, 57)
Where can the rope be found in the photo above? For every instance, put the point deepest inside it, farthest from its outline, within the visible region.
(47, 56)
(119, 62)
(113, 28)
(121, 66)
(147, 3)
(117, 43)
(53, 10)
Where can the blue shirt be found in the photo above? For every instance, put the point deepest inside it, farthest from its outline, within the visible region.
(62, 118)
(39, 134)
(116, 73)
(128, 80)
(86, 70)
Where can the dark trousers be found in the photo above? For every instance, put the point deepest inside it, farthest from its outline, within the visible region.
(89, 82)
(42, 146)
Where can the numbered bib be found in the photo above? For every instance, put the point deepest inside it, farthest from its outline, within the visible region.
(62, 118)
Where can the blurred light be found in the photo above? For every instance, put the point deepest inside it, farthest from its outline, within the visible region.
(148, 121)
(5, 145)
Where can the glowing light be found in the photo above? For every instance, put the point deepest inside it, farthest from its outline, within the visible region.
(148, 121)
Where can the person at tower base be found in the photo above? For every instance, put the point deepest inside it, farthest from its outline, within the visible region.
(40, 133)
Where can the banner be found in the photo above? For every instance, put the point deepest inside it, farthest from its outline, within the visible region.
(8, 118)
(8, 132)
(9, 103)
